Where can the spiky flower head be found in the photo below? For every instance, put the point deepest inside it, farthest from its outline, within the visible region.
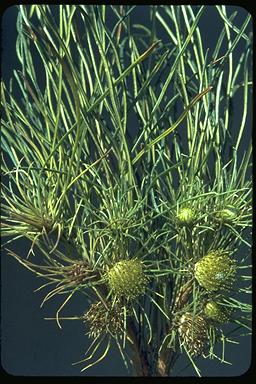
(228, 214)
(101, 319)
(215, 271)
(127, 278)
(192, 331)
(216, 312)
(186, 215)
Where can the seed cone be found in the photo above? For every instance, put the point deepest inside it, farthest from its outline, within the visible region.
(193, 333)
(101, 320)
(127, 278)
(217, 312)
(186, 216)
(215, 271)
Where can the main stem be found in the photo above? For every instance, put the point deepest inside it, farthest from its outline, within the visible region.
(141, 364)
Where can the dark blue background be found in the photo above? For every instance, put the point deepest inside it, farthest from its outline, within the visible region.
(34, 346)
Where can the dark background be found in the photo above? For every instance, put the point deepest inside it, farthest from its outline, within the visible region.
(34, 346)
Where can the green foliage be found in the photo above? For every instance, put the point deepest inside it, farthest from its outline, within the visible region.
(121, 150)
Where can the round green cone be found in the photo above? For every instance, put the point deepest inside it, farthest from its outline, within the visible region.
(228, 213)
(215, 271)
(186, 216)
(216, 312)
(127, 278)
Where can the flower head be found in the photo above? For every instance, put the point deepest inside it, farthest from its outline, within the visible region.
(215, 271)
(127, 278)
(101, 319)
(228, 213)
(217, 312)
(186, 216)
(193, 332)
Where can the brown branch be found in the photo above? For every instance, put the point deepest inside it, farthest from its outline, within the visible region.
(140, 363)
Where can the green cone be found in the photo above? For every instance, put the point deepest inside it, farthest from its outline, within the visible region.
(228, 214)
(217, 312)
(186, 216)
(127, 278)
(215, 271)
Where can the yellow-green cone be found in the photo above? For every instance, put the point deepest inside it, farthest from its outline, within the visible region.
(193, 333)
(127, 278)
(216, 312)
(228, 214)
(186, 216)
(215, 271)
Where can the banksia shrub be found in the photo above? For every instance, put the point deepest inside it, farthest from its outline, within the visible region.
(127, 278)
(215, 271)
(122, 165)
(192, 331)
(216, 312)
